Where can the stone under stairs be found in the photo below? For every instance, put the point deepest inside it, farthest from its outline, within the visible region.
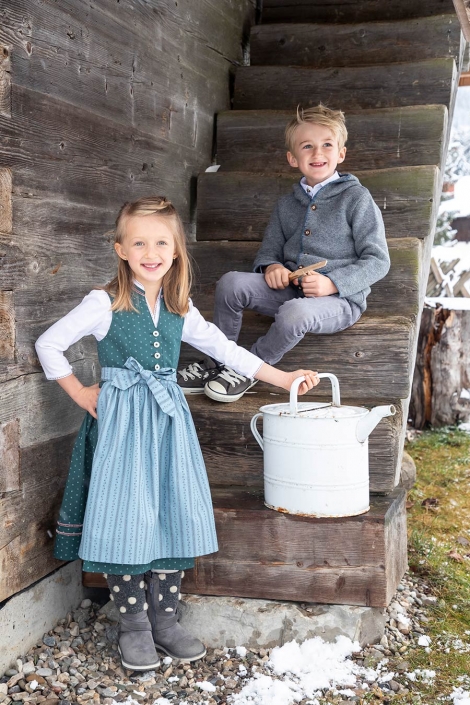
(393, 68)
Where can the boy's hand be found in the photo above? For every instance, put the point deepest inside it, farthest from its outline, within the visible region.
(87, 398)
(316, 284)
(277, 276)
(311, 380)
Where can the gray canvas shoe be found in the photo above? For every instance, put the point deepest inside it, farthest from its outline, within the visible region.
(169, 636)
(228, 385)
(192, 378)
(136, 645)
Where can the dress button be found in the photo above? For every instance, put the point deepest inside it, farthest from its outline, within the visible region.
(307, 232)
(157, 355)
(156, 333)
(313, 207)
(157, 367)
(156, 344)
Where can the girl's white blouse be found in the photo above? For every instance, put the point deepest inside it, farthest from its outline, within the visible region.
(93, 316)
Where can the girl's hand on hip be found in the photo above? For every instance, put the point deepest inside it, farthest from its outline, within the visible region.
(316, 284)
(311, 380)
(87, 398)
(276, 276)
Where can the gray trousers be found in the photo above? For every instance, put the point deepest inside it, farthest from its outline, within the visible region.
(294, 316)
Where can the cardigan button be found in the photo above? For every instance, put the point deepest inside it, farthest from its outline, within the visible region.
(307, 232)
(156, 344)
(157, 367)
(157, 355)
(156, 333)
(313, 207)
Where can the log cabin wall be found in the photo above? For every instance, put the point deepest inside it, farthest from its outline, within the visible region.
(99, 103)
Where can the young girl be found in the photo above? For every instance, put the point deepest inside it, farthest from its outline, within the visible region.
(137, 505)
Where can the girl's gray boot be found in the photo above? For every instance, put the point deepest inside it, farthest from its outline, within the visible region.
(169, 636)
(136, 645)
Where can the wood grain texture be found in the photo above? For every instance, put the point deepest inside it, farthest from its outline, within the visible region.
(350, 10)
(5, 81)
(253, 140)
(7, 326)
(5, 201)
(233, 457)
(360, 44)
(351, 87)
(28, 516)
(299, 560)
(10, 456)
(397, 294)
(237, 205)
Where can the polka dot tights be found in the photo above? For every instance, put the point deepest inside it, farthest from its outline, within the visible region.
(127, 592)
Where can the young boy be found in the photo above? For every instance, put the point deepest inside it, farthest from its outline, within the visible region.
(327, 216)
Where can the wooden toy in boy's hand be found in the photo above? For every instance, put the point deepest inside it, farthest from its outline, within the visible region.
(303, 271)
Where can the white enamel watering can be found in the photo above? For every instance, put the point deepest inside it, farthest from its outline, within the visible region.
(316, 455)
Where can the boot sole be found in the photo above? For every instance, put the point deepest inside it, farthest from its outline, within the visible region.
(227, 398)
(138, 668)
(184, 659)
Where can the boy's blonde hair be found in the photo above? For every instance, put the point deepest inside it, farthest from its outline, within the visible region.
(319, 115)
(177, 281)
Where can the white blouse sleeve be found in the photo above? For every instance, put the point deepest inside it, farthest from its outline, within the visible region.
(210, 340)
(92, 316)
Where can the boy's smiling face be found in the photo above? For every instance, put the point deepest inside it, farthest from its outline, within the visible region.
(316, 152)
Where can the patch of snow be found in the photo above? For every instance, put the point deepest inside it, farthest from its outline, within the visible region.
(421, 675)
(460, 697)
(457, 303)
(167, 660)
(241, 651)
(424, 640)
(264, 690)
(206, 686)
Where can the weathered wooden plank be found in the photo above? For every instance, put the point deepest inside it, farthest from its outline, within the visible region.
(138, 65)
(396, 294)
(10, 456)
(371, 359)
(360, 44)
(28, 516)
(44, 410)
(350, 10)
(347, 88)
(253, 140)
(233, 457)
(237, 206)
(5, 81)
(463, 13)
(321, 572)
(5, 201)
(7, 326)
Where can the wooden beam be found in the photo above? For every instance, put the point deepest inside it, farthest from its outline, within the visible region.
(462, 8)
(464, 79)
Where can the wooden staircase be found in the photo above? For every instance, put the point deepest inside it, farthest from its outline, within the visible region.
(393, 68)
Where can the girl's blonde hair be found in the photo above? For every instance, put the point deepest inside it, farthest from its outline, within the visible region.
(319, 115)
(177, 281)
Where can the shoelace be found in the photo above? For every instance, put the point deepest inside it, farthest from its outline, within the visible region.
(192, 371)
(231, 376)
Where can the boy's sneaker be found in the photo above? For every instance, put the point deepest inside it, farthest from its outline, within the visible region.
(228, 385)
(192, 378)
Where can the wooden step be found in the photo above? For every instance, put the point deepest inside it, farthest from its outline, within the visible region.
(372, 359)
(233, 457)
(361, 44)
(351, 87)
(253, 140)
(263, 553)
(397, 294)
(237, 205)
(350, 10)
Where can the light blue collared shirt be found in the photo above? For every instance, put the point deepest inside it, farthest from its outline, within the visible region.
(311, 191)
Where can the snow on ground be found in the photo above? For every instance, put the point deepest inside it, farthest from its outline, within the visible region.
(452, 303)
(460, 697)
(308, 668)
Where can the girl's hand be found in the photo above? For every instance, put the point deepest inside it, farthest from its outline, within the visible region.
(311, 380)
(87, 398)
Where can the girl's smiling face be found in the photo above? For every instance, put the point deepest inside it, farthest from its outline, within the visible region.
(316, 152)
(149, 248)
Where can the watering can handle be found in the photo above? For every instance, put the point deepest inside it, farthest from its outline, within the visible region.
(295, 388)
(254, 430)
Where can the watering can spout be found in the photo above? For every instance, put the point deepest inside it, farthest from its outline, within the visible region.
(367, 424)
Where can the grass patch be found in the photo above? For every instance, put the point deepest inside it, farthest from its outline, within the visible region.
(439, 552)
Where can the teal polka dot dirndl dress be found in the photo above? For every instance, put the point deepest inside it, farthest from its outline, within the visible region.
(137, 496)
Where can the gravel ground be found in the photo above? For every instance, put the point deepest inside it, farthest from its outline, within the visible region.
(78, 662)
